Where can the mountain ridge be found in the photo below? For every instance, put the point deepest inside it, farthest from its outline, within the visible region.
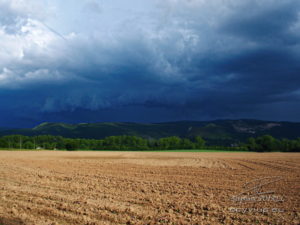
(216, 132)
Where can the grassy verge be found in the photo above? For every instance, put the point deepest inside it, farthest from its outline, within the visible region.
(179, 150)
(194, 150)
(21, 150)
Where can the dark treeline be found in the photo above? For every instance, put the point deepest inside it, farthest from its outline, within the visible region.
(108, 143)
(260, 144)
(268, 143)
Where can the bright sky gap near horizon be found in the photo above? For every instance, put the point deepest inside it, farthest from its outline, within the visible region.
(148, 60)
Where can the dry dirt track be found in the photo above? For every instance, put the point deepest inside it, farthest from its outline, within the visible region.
(145, 188)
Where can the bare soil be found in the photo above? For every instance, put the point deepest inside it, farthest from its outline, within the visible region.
(52, 187)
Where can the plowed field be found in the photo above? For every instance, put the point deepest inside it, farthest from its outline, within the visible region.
(52, 187)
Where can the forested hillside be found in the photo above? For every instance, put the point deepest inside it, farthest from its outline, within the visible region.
(219, 132)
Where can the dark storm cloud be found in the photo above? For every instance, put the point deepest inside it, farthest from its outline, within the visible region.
(267, 24)
(260, 75)
(243, 64)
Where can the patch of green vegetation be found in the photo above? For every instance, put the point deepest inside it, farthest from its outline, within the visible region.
(20, 150)
(264, 143)
(195, 150)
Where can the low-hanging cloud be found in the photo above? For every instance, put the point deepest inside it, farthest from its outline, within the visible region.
(181, 60)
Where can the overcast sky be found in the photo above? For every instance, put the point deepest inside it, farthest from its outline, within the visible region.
(148, 60)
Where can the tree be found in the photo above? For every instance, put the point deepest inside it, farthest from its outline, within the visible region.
(3, 143)
(187, 144)
(251, 144)
(71, 145)
(28, 145)
(199, 142)
(169, 143)
(267, 143)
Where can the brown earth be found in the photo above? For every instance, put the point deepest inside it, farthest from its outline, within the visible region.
(48, 187)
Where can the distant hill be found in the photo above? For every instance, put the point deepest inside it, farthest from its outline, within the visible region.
(223, 132)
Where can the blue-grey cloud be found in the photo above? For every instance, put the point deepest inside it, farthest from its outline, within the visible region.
(183, 60)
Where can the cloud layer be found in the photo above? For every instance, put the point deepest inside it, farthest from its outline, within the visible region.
(169, 60)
